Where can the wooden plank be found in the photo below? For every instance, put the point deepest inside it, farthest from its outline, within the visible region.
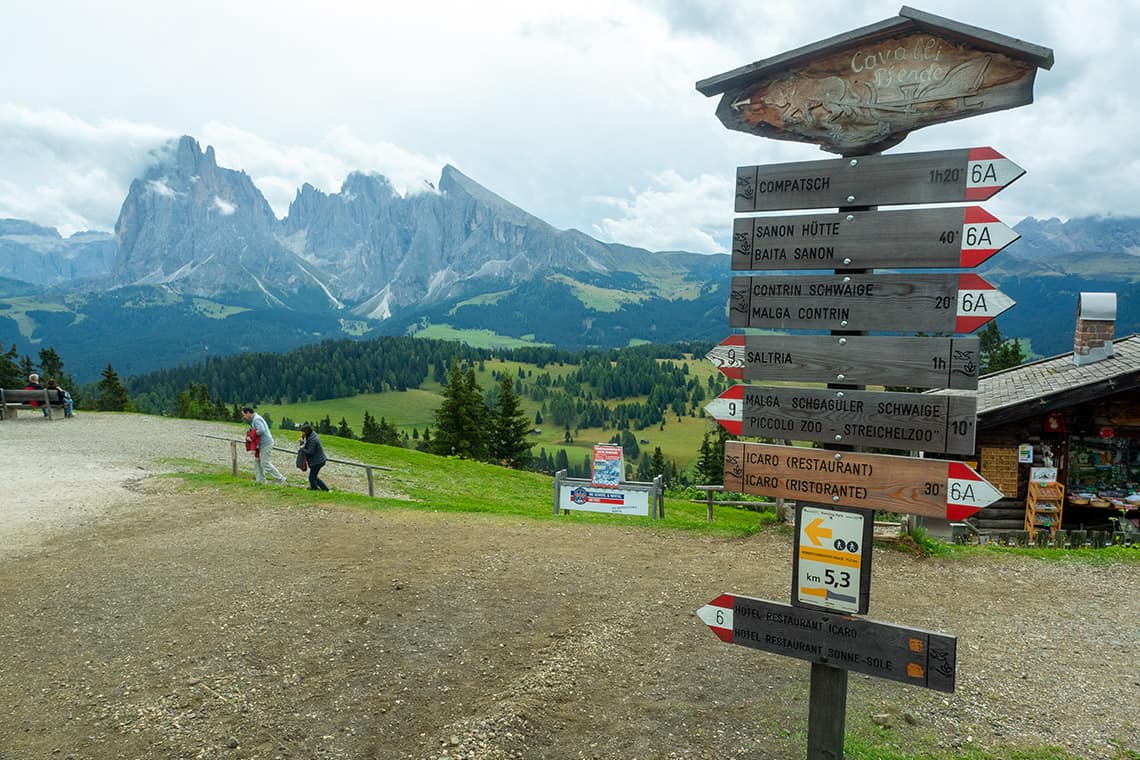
(928, 238)
(857, 359)
(907, 421)
(928, 487)
(921, 658)
(941, 176)
(894, 302)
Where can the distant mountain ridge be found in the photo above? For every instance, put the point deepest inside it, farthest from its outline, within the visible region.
(199, 265)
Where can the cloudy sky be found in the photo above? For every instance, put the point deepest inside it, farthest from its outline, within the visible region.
(583, 113)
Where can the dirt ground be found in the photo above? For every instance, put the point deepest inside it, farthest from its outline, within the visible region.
(139, 619)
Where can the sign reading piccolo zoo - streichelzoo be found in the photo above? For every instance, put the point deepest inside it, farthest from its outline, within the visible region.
(855, 95)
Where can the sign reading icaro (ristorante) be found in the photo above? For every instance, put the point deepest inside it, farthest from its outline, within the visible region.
(930, 487)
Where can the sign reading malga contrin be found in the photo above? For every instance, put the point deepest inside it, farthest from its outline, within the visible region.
(609, 466)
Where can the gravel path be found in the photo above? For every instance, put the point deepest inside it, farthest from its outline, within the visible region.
(141, 619)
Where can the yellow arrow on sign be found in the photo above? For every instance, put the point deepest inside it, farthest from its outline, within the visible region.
(814, 531)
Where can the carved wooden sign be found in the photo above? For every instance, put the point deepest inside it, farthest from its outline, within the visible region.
(864, 91)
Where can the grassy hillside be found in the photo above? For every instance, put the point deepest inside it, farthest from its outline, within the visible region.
(414, 409)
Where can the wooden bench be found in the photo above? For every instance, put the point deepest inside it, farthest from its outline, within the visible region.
(11, 401)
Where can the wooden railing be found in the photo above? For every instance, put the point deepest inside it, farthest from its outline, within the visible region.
(368, 468)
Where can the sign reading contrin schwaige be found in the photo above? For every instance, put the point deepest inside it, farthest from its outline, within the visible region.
(864, 91)
(928, 302)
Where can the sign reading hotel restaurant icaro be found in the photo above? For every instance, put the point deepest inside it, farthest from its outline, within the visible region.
(925, 239)
(920, 658)
(909, 421)
(928, 302)
(855, 359)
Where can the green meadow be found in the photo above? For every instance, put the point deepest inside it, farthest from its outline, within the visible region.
(414, 410)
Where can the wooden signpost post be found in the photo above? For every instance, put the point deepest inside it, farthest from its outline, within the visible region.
(924, 239)
(943, 424)
(857, 94)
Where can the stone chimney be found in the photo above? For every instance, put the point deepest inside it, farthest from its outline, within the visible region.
(1096, 317)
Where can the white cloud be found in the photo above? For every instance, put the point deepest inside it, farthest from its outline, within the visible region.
(68, 173)
(160, 187)
(224, 207)
(674, 213)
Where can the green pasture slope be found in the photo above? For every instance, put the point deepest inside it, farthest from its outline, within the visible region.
(414, 409)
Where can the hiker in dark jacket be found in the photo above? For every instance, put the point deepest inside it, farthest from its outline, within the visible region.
(314, 454)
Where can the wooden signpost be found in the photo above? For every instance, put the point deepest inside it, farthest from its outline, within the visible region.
(908, 421)
(930, 487)
(857, 94)
(933, 302)
(941, 176)
(856, 359)
(924, 239)
(920, 658)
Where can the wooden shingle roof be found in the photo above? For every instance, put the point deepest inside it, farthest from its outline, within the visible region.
(1055, 383)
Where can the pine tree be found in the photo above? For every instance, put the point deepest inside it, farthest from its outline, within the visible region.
(997, 352)
(656, 464)
(370, 431)
(509, 428)
(10, 375)
(111, 395)
(343, 430)
(461, 420)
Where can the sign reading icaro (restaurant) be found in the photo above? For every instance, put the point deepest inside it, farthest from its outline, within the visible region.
(930, 487)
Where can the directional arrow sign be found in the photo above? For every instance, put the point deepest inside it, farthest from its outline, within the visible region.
(930, 487)
(927, 239)
(911, 421)
(943, 176)
(855, 359)
(895, 302)
(920, 658)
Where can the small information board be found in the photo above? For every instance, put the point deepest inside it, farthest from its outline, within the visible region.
(831, 566)
(609, 466)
